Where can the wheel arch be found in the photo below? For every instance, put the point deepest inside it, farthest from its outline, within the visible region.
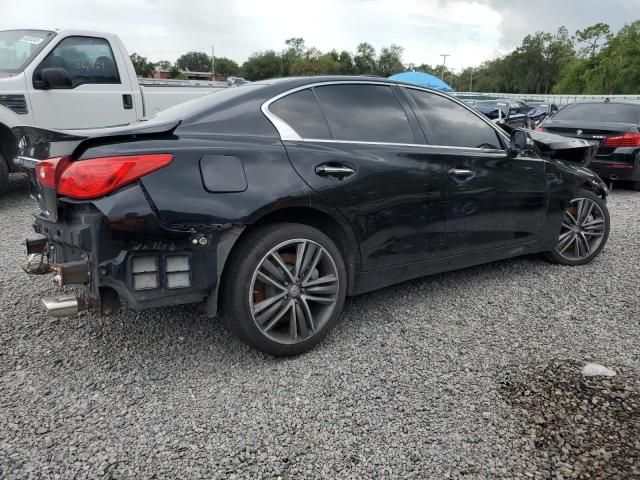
(595, 188)
(7, 146)
(338, 231)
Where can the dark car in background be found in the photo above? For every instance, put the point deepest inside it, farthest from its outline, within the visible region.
(539, 112)
(280, 198)
(614, 126)
(512, 113)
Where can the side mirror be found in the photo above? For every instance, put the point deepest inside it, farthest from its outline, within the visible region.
(520, 142)
(53, 77)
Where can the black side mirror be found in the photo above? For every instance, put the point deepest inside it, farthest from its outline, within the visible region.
(520, 142)
(53, 77)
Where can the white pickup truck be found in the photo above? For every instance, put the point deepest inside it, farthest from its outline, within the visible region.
(70, 79)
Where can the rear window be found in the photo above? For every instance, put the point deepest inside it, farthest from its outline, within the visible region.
(302, 112)
(600, 112)
(201, 104)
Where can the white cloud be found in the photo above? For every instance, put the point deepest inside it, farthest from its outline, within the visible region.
(471, 31)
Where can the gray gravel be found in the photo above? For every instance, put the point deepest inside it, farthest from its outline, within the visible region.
(409, 385)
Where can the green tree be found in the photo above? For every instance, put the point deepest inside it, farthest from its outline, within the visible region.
(163, 65)
(345, 63)
(226, 66)
(390, 61)
(294, 53)
(262, 65)
(592, 38)
(365, 59)
(141, 65)
(604, 68)
(194, 62)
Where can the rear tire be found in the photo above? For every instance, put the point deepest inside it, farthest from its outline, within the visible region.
(635, 186)
(4, 174)
(584, 231)
(278, 311)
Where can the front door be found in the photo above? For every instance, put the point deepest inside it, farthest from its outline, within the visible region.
(493, 200)
(100, 94)
(361, 151)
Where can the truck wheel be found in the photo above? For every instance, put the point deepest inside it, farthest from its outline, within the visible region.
(584, 230)
(284, 288)
(4, 174)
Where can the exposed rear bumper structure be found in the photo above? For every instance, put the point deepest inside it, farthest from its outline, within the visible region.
(126, 258)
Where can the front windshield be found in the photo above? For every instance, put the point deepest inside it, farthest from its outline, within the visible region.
(18, 47)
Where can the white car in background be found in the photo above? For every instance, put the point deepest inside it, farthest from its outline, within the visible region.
(70, 79)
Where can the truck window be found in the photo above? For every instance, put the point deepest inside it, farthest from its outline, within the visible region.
(87, 59)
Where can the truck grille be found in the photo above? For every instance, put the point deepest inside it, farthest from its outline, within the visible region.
(16, 103)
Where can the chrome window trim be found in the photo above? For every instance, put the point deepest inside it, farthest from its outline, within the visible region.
(287, 132)
(392, 144)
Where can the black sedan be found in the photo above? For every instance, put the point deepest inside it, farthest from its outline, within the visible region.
(614, 126)
(280, 198)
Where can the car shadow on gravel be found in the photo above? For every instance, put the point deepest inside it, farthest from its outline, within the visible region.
(576, 426)
(196, 335)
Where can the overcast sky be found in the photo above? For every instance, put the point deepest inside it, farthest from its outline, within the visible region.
(470, 31)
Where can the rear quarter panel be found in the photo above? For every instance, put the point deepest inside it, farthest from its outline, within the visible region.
(178, 194)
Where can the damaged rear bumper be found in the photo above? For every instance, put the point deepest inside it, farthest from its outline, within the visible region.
(120, 252)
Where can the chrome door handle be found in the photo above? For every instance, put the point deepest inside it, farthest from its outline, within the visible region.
(461, 172)
(337, 171)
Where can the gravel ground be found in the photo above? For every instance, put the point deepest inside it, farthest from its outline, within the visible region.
(428, 379)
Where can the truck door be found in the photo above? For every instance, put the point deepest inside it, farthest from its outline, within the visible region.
(100, 93)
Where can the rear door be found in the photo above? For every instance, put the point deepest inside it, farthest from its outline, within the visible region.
(101, 93)
(493, 200)
(363, 151)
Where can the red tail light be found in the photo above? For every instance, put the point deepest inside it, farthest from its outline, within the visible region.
(626, 140)
(96, 177)
(540, 129)
(48, 171)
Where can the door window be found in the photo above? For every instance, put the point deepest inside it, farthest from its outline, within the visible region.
(87, 59)
(301, 111)
(450, 124)
(366, 113)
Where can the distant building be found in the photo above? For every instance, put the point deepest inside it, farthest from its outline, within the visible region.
(160, 74)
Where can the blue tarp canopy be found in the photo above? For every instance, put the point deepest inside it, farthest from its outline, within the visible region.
(423, 79)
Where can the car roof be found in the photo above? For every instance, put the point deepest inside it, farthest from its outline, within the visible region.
(294, 82)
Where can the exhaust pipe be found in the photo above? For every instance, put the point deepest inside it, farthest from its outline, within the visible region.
(613, 176)
(65, 306)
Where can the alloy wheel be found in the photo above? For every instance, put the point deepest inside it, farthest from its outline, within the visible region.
(294, 291)
(582, 231)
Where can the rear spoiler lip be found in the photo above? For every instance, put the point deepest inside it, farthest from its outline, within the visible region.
(28, 136)
(83, 134)
(137, 128)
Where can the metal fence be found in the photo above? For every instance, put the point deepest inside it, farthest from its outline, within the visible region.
(557, 99)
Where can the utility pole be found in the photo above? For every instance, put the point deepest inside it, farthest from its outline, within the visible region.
(471, 82)
(444, 60)
(213, 60)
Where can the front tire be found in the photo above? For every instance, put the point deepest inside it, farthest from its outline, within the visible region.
(584, 231)
(284, 288)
